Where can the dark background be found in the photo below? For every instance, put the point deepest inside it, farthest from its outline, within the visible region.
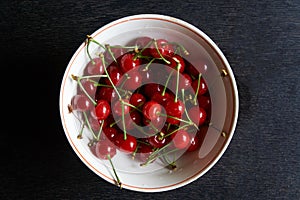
(261, 40)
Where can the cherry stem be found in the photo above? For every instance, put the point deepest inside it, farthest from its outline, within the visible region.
(123, 120)
(89, 125)
(111, 53)
(166, 84)
(100, 130)
(182, 47)
(78, 79)
(179, 128)
(148, 64)
(186, 112)
(181, 120)
(155, 43)
(197, 91)
(139, 54)
(177, 82)
(113, 85)
(89, 40)
(114, 170)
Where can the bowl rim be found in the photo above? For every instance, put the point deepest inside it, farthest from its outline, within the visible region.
(214, 47)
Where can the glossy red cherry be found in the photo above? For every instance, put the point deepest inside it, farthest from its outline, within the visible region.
(110, 133)
(195, 143)
(81, 102)
(137, 99)
(128, 145)
(94, 67)
(114, 73)
(197, 67)
(106, 93)
(143, 152)
(117, 107)
(158, 141)
(105, 148)
(88, 86)
(129, 62)
(181, 139)
(162, 98)
(116, 52)
(204, 102)
(151, 110)
(163, 46)
(133, 81)
(197, 115)
(143, 44)
(202, 86)
(174, 109)
(151, 88)
(102, 109)
(176, 62)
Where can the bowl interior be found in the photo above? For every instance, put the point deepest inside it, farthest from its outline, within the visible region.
(223, 92)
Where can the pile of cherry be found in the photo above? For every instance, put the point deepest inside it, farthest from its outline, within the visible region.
(145, 100)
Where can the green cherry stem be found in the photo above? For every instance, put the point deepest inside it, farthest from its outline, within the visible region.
(123, 120)
(89, 40)
(100, 130)
(148, 64)
(89, 125)
(108, 47)
(186, 112)
(177, 82)
(113, 85)
(114, 170)
(166, 84)
(181, 120)
(197, 90)
(181, 47)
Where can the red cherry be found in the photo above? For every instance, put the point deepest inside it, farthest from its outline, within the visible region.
(194, 143)
(81, 102)
(117, 108)
(117, 52)
(102, 109)
(163, 46)
(176, 61)
(106, 93)
(89, 87)
(137, 99)
(196, 68)
(162, 99)
(141, 43)
(174, 109)
(128, 145)
(129, 62)
(150, 89)
(181, 139)
(185, 82)
(134, 80)
(202, 86)
(143, 152)
(204, 102)
(197, 115)
(158, 141)
(110, 133)
(94, 67)
(151, 110)
(105, 148)
(114, 73)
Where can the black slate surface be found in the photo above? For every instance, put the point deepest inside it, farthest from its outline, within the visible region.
(261, 40)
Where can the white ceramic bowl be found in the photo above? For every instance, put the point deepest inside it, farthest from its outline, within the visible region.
(224, 98)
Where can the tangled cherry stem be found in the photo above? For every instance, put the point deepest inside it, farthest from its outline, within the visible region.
(186, 112)
(166, 84)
